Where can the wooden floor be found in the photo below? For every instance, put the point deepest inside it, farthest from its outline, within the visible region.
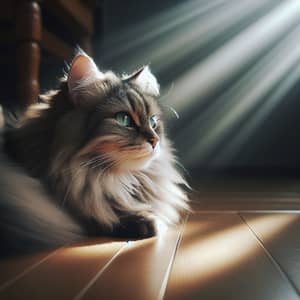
(237, 248)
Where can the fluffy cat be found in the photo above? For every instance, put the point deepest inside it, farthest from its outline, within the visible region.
(98, 159)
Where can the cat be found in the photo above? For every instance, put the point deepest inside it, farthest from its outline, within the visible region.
(91, 158)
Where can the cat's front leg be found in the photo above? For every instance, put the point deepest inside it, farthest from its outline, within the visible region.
(135, 227)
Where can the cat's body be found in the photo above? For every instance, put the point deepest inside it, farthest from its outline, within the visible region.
(103, 162)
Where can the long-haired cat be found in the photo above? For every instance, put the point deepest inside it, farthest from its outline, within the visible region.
(98, 159)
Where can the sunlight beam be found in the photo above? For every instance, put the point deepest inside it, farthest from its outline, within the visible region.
(249, 92)
(201, 80)
(208, 258)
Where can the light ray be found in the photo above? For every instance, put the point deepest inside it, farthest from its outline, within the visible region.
(206, 258)
(222, 65)
(266, 108)
(245, 95)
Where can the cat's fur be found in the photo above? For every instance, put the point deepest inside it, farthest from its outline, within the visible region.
(93, 175)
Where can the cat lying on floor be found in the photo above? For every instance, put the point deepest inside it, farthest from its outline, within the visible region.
(90, 159)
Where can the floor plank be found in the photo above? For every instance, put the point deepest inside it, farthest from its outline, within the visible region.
(64, 274)
(215, 255)
(219, 258)
(284, 246)
(15, 267)
(139, 272)
(241, 202)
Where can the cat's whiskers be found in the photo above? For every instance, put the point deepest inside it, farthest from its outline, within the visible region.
(91, 163)
(82, 167)
(93, 160)
(96, 161)
(111, 162)
(101, 163)
(108, 167)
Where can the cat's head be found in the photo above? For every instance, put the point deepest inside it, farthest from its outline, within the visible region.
(123, 129)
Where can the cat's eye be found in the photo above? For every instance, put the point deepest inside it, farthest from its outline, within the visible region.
(153, 120)
(124, 119)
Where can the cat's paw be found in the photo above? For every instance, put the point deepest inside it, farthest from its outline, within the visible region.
(136, 227)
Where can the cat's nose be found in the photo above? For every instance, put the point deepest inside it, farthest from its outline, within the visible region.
(153, 141)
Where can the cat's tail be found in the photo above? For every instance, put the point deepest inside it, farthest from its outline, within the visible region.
(29, 219)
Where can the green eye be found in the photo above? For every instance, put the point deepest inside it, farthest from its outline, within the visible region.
(124, 119)
(153, 120)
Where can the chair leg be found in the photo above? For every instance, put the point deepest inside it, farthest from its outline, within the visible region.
(28, 33)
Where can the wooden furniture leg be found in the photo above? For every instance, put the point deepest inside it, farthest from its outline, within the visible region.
(28, 33)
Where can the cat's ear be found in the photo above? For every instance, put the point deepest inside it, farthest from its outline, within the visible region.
(145, 81)
(83, 72)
